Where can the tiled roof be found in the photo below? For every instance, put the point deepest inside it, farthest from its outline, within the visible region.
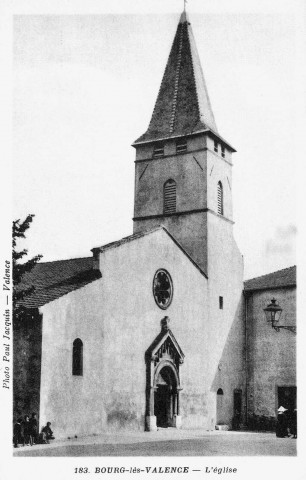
(52, 280)
(183, 106)
(281, 278)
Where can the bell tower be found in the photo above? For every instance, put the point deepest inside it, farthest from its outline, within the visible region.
(183, 167)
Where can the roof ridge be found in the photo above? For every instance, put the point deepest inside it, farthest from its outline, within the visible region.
(195, 81)
(142, 233)
(159, 90)
(185, 252)
(177, 76)
(271, 273)
(63, 260)
(128, 238)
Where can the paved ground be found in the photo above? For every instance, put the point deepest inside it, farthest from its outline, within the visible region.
(167, 442)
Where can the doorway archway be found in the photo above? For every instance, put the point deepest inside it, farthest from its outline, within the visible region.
(163, 360)
(165, 397)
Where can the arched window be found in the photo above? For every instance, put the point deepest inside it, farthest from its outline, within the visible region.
(220, 198)
(170, 196)
(77, 357)
(220, 414)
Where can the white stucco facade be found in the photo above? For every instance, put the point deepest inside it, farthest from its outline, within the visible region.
(117, 319)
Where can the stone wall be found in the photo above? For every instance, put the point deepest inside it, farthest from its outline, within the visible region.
(188, 170)
(226, 325)
(271, 359)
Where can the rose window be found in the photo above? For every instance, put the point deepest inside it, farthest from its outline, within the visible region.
(162, 288)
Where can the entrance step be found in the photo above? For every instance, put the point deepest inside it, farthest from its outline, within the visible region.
(222, 427)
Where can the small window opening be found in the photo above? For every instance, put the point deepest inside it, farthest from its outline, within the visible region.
(170, 196)
(215, 146)
(221, 303)
(222, 151)
(158, 150)
(181, 145)
(219, 391)
(77, 357)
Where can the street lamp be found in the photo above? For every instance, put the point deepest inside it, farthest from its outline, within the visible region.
(273, 313)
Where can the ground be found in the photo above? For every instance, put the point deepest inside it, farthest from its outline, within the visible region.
(167, 442)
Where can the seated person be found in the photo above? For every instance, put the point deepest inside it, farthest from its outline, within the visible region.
(46, 433)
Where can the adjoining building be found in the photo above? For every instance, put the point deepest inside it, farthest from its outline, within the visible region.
(270, 351)
(157, 329)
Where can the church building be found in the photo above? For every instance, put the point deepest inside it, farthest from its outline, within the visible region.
(150, 331)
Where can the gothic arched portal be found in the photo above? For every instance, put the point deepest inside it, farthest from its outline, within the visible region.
(165, 396)
(163, 360)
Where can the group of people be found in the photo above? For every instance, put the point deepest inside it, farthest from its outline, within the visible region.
(26, 432)
(286, 425)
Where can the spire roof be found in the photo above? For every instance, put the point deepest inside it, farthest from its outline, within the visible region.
(182, 106)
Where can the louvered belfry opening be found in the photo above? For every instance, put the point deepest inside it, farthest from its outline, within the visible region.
(158, 150)
(181, 145)
(170, 196)
(220, 198)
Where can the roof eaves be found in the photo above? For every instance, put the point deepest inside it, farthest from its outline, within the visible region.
(218, 136)
(188, 134)
(167, 137)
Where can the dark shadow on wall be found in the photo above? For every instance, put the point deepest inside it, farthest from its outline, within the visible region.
(27, 343)
(230, 374)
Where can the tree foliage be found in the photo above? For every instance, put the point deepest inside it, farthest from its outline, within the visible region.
(21, 268)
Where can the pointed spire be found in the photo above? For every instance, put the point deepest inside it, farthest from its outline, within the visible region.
(182, 106)
(184, 17)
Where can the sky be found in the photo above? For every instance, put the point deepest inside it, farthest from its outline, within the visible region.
(84, 90)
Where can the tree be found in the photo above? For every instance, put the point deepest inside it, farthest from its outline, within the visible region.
(19, 268)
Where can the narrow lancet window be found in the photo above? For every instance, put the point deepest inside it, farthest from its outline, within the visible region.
(220, 198)
(77, 357)
(221, 303)
(170, 196)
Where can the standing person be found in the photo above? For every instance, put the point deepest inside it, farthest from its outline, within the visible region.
(17, 433)
(294, 423)
(236, 420)
(27, 440)
(34, 428)
(282, 423)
